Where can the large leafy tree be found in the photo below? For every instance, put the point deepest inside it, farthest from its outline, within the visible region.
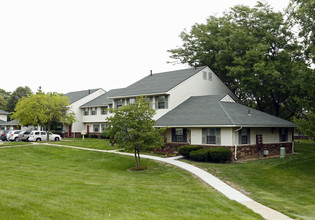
(131, 127)
(15, 96)
(301, 15)
(3, 103)
(306, 120)
(4, 96)
(43, 109)
(254, 53)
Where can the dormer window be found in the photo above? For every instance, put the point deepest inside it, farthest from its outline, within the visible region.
(161, 102)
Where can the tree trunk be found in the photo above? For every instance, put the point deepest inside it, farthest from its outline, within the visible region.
(48, 130)
(137, 156)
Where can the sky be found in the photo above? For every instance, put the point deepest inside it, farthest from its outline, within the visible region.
(72, 45)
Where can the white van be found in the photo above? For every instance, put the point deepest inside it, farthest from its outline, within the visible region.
(42, 136)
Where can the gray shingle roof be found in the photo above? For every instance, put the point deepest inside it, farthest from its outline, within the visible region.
(160, 82)
(13, 122)
(75, 96)
(210, 111)
(103, 99)
(4, 112)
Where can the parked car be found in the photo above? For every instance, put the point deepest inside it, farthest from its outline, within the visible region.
(3, 136)
(24, 135)
(13, 135)
(42, 136)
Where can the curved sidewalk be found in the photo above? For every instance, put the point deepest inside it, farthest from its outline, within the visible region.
(208, 178)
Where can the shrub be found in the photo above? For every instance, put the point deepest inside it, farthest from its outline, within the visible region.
(93, 136)
(104, 135)
(220, 154)
(200, 155)
(186, 149)
(168, 150)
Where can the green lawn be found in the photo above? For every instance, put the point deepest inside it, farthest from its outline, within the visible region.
(287, 185)
(46, 182)
(94, 143)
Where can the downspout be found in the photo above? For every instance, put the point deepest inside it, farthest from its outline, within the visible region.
(235, 151)
(235, 145)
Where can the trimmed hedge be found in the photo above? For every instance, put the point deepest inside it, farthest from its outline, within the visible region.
(220, 154)
(202, 155)
(186, 149)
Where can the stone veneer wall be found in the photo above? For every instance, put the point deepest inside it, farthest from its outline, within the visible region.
(248, 151)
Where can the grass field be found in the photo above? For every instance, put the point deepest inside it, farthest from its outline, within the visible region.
(287, 185)
(94, 143)
(46, 182)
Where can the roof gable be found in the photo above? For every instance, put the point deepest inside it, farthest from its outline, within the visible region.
(4, 112)
(75, 96)
(159, 83)
(103, 99)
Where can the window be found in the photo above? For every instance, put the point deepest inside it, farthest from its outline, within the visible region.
(211, 136)
(132, 101)
(283, 134)
(104, 110)
(86, 111)
(244, 136)
(110, 106)
(161, 102)
(119, 103)
(209, 76)
(150, 101)
(204, 73)
(103, 126)
(179, 135)
(93, 111)
(96, 128)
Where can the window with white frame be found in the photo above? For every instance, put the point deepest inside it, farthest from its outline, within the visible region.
(150, 101)
(110, 106)
(104, 110)
(211, 136)
(161, 102)
(96, 128)
(103, 126)
(119, 103)
(244, 136)
(86, 111)
(93, 111)
(132, 101)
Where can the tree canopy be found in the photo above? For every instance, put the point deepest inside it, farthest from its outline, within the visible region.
(15, 96)
(43, 109)
(301, 15)
(131, 127)
(254, 53)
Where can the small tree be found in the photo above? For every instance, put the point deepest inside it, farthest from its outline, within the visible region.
(132, 128)
(43, 109)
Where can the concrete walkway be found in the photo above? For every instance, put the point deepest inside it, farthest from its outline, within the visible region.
(209, 179)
